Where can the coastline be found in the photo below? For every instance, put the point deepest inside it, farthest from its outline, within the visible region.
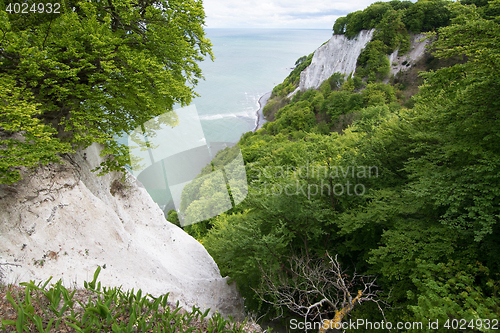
(260, 112)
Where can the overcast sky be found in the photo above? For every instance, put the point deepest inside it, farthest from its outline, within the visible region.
(298, 14)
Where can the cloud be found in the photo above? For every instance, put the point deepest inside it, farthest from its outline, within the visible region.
(299, 14)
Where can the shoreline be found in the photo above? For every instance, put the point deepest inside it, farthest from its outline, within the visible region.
(260, 115)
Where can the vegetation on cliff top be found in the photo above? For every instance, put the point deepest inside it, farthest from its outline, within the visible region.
(90, 72)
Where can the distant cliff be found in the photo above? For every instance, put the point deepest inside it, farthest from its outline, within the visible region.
(417, 49)
(340, 54)
(64, 221)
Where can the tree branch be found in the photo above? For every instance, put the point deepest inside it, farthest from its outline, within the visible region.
(318, 289)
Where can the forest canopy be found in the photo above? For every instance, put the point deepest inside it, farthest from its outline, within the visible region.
(421, 16)
(358, 175)
(91, 72)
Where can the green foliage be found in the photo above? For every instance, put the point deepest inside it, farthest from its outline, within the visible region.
(372, 116)
(292, 80)
(239, 243)
(353, 24)
(273, 105)
(173, 217)
(322, 128)
(95, 71)
(392, 32)
(400, 5)
(368, 18)
(215, 189)
(339, 26)
(25, 140)
(342, 102)
(464, 113)
(375, 13)
(336, 80)
(297, 116)
(219, 187)
(300, 60)
(392, 21)
(357, 82)
(373, 62)
(452, 287)
(378, 94)
(424, 15)
(108, 309)
(427, 15)
(428, 223)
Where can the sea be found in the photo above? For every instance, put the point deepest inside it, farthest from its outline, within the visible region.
(247, 65)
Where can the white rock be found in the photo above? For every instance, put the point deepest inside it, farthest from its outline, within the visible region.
(417, 50)
(339, 54)
(64, 221)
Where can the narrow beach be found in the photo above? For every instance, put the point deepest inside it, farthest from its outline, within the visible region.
(260, 115)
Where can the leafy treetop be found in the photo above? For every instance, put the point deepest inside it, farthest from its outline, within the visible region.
(424, 15)
(95, 71)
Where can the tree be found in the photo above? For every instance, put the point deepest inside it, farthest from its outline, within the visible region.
(173, 217)
(25, 140)
(298, 116)
(98, 69)
(427, 15)
(392, 32)
(374, 13)
(339, 25)
(355, 23)
(317, 289)
(444, 229)
(373, 62)
(341, 102)
(428, 223)
(456, 292)
(460, 107)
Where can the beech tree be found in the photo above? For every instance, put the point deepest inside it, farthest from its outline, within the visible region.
(91, 72)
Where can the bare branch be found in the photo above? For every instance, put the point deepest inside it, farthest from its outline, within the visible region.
(318, 289)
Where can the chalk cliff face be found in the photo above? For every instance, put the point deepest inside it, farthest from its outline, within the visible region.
(417, 49)
(339, 54)
(64, 221)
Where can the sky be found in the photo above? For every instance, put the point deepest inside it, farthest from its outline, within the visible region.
(286, 14)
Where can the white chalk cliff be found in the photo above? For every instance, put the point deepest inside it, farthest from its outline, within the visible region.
(339, 54)
(418, 45)
(64, 221)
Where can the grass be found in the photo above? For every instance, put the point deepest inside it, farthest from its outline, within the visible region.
(48, 308)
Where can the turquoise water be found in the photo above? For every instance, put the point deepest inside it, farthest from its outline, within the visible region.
(248, 63)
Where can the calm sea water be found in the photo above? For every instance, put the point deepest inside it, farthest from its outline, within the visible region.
(248, 63)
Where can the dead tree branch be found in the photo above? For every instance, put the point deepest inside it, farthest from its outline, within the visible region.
(318, 288)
